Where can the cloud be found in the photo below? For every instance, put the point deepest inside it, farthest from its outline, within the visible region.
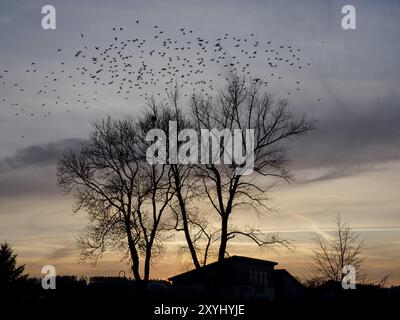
(62, 253)
(30, 181)
(32, 170)
(350, 141)
(335, 173)
(37, 155)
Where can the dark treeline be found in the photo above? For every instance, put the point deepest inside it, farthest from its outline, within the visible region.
(102, 295)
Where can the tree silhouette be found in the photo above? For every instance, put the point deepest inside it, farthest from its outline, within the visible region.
(10, 273)
(181, 178)
(243, 104)
(333, 253)
(132, 204)
(123, 195)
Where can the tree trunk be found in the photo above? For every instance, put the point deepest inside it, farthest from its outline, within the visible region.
(185, 222)
(133, 252)
(135, 261)
(147, 260)
(225, 217)
(224, 237)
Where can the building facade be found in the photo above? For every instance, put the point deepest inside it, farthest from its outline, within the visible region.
(238, 278)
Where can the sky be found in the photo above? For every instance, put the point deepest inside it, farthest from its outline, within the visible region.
(349, 165)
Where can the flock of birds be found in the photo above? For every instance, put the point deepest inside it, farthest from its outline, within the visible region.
(133, 67)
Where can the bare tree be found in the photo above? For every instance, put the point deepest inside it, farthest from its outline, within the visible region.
(332, 254)
(124, 197)
(159, 115)
(204, 236)
(130, 203)
(152, 193)
(244, 105)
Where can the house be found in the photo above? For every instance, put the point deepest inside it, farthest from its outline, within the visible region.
(287, 287)
(238, 278)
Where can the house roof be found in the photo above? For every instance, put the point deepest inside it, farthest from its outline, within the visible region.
(284, 272)
(226, 260)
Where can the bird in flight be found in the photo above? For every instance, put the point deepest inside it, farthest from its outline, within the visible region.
(150, 64)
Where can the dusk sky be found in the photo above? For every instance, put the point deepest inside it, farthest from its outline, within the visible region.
(349, 165)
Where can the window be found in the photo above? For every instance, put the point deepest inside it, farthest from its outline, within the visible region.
(259, 278)
(265, 278)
